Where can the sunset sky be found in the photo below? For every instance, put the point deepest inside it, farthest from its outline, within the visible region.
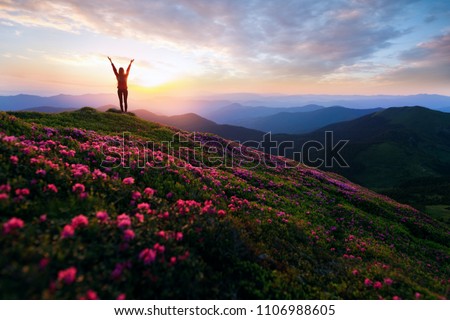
(190, 47)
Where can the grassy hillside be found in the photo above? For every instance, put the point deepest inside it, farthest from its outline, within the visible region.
(174, 228)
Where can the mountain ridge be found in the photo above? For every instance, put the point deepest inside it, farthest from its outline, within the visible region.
(304, 122)
(398, 139)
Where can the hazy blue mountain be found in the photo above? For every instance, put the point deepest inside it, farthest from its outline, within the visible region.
(160, 104)
(445, 109)
(236, 113)
(194, 122)
(433, 101)
(24, 101)
(303, 122)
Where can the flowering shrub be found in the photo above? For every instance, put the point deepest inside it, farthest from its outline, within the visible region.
(73, 228)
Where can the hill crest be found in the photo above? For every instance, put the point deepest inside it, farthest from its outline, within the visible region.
(184, 230)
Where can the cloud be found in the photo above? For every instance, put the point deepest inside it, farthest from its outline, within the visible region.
(302, 39)
(428, 62)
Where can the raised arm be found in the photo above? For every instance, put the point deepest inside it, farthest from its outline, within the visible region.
(113, 66)
(129, 66)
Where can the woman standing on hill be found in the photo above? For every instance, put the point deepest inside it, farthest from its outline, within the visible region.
(122, 87)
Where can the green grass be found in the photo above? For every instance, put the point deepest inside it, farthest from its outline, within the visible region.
(439, 212)
(102, 122)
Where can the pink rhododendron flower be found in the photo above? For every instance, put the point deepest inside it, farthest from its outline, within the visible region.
(388, 281)
(68, 275)
(149, 192)
(67, 232)
(121, 296)
(377, 285)
(97, 174)
(41, 172)
(147, 255)
(396, 298)
(418, 295)
(128, 235)
(159, 248)
(145, 207)
(9, 138)
(208, 208)
(355, 272)
(139, 217)
(221, 213)
(367, 282)
(102, 216)
(83, 195)
(78, 188)
(136, 195)
(164, 215)
(179, 236)
(22, 192)
(4, 196)
(184, 256)
(91, 295)
(80, 221)
(128, 181)
(67, 153)
(5, 188)
(43, 218)
(123, 221)
(13, 224)
(14, 160)
(117, 272)
(118, 269)
(43, 263)
(161, 234)
(51, 187)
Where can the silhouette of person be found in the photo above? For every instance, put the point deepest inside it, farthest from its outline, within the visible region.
(122, 87)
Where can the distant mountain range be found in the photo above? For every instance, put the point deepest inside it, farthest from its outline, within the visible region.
(303, 122)
(206, 106)
(432, 101)
(236, 113)
(169, 106)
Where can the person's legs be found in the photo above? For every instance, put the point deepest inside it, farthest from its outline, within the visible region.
(119, 93)
(125, 96)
